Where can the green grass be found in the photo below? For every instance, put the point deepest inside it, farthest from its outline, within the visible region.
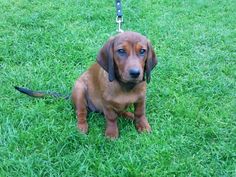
(191, 99)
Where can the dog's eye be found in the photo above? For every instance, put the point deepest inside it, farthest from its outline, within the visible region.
(142, 51)
(121, 51)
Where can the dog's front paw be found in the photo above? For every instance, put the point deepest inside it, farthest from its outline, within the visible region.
(83, 127)
(112, 132)
(142, 125)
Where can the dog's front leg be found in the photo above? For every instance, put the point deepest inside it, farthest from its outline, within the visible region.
(111, 123)
(141, 122)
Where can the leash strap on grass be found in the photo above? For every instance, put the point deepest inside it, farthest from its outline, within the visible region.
(119, 15)
(118, 9)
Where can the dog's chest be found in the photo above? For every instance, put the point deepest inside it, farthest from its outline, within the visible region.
(121, 100)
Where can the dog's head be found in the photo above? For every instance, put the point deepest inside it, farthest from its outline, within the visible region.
(128, 57)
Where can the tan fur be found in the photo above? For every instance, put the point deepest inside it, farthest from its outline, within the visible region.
(94, 91)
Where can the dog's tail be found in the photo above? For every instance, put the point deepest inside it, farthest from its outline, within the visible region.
(41, 94)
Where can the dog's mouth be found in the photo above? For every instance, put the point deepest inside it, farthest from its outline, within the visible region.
(126, 79)
(130, 81)
(128, 84)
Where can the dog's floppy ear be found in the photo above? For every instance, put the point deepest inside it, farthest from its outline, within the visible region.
(105, 59)
(150, 62)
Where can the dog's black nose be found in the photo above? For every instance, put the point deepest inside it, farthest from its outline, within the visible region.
(134, 72)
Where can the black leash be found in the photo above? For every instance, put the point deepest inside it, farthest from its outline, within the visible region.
(119, 15)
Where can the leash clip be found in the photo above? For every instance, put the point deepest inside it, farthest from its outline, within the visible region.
(119, 21)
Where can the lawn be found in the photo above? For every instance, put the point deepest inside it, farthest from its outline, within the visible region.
(191, 99)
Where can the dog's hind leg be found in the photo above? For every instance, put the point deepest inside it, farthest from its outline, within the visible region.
(80, 102)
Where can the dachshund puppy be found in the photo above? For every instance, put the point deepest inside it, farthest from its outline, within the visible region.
(116, 81)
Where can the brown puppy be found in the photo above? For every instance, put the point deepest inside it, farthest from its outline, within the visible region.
(115, 82)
